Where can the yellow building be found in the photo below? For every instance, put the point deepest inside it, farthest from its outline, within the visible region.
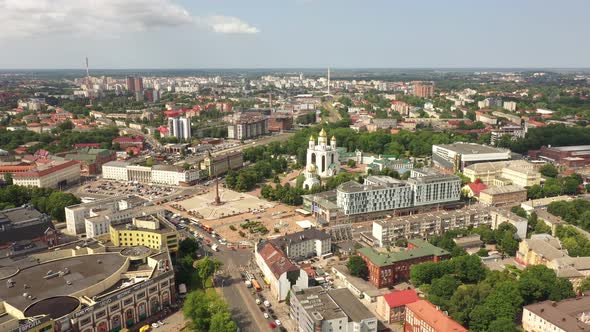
(502, 173)
(151, 231)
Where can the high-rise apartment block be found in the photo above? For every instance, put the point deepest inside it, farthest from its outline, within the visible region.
(179, 128)
(424, 89)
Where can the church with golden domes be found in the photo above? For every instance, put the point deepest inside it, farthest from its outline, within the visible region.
(322, 160)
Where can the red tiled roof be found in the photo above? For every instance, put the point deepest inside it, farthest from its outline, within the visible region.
(477, 187)
(276, 260)
(128, 140)
(399, 298)
(432, 316)
(39, 173)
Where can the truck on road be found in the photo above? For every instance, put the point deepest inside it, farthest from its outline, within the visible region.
(215, 247)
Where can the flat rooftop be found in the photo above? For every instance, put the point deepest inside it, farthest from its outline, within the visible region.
(84, 271)
(352, 307)
(571, 148)
(471, 148)
(318, 304)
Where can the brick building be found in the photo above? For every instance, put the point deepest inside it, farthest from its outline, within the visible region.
(571, 156)
(125, 142)
(278, 122)
(387, 269)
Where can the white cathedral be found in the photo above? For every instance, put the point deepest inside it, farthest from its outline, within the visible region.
(322, 160)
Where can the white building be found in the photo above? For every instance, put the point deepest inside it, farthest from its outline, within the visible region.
(115, 208)
(382, 193)
(322, 159)
(280, 272)
(315, 309)
(158, 174)
(307, 243)
(510, 106)
(458, 155)
(115, 170)
(179, 128)
(379, 193)
(432, 188)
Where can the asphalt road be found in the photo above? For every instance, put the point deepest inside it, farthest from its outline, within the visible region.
(243, 308)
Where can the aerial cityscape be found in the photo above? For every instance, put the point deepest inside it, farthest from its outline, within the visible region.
(301, 166)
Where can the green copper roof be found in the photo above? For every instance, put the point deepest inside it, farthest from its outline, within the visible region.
(423, 249)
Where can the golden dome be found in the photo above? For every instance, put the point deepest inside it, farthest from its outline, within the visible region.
(333, 138)
(311, 138)
(323, 133)
(312, 168)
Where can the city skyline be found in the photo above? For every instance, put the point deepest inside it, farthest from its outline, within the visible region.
(174, 34)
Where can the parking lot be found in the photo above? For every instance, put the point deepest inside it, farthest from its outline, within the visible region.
(155, 193)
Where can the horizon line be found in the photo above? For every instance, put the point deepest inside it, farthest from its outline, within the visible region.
(293, 68)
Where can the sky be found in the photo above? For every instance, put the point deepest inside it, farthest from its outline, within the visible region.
(120, 34)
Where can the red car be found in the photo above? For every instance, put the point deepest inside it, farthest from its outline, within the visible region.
(272, 325)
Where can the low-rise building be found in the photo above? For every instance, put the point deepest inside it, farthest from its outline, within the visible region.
(423, 316)
(126, 142)
(152, 231)
(387, 269)
(518, 172)
(514, 132)
(472, 241)
(571, 156)
(158, 174)
(315, 309)
(571, 315)
(544, 249)
(214, 166)
(278, 270)
(497, 196)
(56, 174)
(90, 159)
(305, 244)
(118, 208)
(99, 221)
(385, 232)
(392, 307)
(454, 157)
(26, 224)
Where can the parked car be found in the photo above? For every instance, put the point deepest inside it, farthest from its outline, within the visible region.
(266, 315)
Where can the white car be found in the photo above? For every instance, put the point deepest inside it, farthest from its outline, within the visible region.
(258, 301)
(155, 325)
(266, 315)
(267, 304)
(278, 322)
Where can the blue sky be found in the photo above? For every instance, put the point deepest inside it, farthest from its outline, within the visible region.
(293, 33)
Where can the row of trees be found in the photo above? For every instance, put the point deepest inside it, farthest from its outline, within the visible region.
(484, 300)
(62, 140)
(46, 200)
(202, 306)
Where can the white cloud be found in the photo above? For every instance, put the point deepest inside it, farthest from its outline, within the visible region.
(27, 18)
(229, 25)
